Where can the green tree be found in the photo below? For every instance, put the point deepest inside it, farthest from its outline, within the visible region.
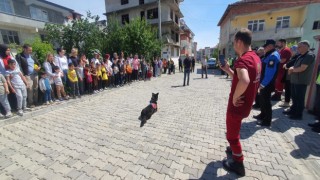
(115, 36)
(135, 37)
(141, 38)
(215, 53)
(82, 33)
(40, 48)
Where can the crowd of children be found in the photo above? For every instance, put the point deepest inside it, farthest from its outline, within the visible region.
(62, 78)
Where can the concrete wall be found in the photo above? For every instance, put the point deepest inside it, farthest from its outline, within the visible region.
(313, 14)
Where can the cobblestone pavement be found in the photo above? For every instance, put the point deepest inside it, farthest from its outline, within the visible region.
(99, 137)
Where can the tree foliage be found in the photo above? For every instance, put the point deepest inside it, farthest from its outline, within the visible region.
(82, 33)
(135, 37)
(40, 48)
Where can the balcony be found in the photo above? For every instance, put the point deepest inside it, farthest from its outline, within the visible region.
(285, 33)
(20, 22)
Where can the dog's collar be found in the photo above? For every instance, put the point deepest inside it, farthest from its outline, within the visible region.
(154, 105)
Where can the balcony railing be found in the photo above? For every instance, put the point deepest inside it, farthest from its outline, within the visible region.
(284, 33)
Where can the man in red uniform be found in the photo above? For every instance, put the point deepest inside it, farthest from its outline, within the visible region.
(285, 55)
(245, 83)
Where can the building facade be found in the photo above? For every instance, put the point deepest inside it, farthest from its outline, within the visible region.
(288, 19)
(126, 10)
(21, 20)
(186, 37)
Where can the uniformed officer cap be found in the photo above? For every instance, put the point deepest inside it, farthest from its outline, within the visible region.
(268, 42)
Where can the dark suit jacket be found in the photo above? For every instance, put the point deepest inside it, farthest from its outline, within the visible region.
(23, 63)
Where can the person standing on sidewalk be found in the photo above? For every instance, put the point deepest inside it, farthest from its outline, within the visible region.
(204, 65)
(270, 64)
(301, 74)
(286, 78)
(245, 82)
(285, 55)
(27, 63)
(187, 68)
(193, 64)
(180, 64)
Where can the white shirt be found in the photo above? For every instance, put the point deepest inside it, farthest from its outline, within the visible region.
(204, 62)
(62, 62)
(15, 78)
(57, 79)
(95, 61)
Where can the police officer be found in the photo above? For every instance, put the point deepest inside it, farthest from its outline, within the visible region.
(270, 66)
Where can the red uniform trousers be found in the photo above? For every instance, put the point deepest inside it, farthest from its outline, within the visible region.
(279, 84)
(233, 135)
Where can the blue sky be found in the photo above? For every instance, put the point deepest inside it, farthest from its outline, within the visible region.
(202, 16)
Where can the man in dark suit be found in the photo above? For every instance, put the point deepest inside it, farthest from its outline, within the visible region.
(30, 67)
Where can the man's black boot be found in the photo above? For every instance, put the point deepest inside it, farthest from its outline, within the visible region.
(258, 117)
(234, 166)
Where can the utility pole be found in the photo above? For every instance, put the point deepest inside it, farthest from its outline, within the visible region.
(159, 15)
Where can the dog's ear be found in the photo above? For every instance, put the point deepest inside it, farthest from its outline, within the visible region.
(157, 93)
(153, 94)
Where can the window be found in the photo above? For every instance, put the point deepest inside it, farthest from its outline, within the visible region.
(171, 14)
(316, 25)
(123, 2)
(152, 13)
(176, 19)
(256, 25)
(9, 37)
(141, 2)
(5, 6)
(38, 14)
(142, 15)
(283, 22)
(125, 19)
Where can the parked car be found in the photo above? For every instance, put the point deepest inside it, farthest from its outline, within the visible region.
(212, 63)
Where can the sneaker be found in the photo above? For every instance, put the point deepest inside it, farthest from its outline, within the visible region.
(285, 104)
(95, 92)
(32, 106)
(234, 166)
(20, 112)
(51, 102)
(1, 115)
(276, 97)
(60, 99)
(79, 96)
(264, 123)
(101, 90)
(47, 103)
(8, 115)
(26, 109)
(255, 106)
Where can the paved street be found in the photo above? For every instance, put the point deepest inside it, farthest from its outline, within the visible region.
(99, 137)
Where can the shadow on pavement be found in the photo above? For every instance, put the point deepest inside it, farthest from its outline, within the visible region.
(211, 172)
(306, 143)
(176, 86)
(210, 71)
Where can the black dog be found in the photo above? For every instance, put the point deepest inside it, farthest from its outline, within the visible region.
(147, 112)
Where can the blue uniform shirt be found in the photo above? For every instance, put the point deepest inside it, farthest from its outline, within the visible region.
(270, 68)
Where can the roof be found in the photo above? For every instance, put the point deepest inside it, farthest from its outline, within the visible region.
(59, 6)
(252, 6)
(230, 6)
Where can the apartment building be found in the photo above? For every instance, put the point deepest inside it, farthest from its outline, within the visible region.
(24, 19)
(126, 10)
